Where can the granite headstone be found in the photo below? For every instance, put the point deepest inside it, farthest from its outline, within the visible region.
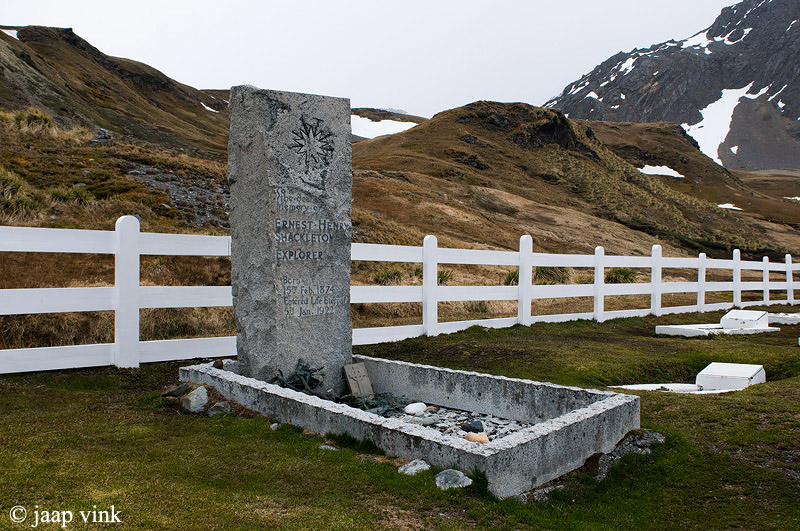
(290, 176)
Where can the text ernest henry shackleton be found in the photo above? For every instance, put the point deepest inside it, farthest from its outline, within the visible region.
(301, 239)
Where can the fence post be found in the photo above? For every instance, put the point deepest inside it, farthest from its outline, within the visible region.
(765, 278)
(737, 278)
(789, 284)
(126, 293)
(430, 270)
(701, 282)
(599, 284)
(525, 280)
(655, 281)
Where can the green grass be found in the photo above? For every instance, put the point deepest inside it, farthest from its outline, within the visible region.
(73, 439)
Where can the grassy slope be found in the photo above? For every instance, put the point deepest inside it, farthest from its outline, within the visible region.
(760, 195)
(72, 439)
(55, 69)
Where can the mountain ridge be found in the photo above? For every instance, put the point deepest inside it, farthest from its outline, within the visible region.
(752, 45)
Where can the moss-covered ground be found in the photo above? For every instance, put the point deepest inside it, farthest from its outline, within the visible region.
(71, 440)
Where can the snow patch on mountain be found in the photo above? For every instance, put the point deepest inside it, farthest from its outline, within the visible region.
(662, 170)
(711, 131)
(366, 128)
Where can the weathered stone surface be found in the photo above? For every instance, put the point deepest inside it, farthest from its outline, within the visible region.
(232, 365)
(414, 467)
(450, 479)
(195, 401)
(291, 180)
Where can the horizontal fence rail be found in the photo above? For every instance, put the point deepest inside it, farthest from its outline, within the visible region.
(127, 297)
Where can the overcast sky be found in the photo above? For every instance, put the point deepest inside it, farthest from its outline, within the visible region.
(423, 56)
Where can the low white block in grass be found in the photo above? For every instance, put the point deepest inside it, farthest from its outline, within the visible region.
(730, 376)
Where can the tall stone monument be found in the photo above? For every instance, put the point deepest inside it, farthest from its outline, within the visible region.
(291, 182)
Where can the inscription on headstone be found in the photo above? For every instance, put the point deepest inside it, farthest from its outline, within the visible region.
(291, 185)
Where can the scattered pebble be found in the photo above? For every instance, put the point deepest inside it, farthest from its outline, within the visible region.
(449, 479)
(274, 426)
(327, 447)
(455, 422)
(414, 467)
(474, 426)
(477, 437)
(416, 408)
(219, 408)
(430, 420)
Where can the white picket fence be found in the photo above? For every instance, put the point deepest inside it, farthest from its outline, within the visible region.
(127, 296)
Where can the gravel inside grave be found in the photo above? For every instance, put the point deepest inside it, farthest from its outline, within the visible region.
(449, 421)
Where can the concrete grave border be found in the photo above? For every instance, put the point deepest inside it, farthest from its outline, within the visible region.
(572, 424)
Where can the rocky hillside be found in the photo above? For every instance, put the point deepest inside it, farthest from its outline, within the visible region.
(735, 86)
(488, 172)
(55, 70)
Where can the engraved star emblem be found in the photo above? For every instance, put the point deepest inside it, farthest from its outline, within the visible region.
(313, 143)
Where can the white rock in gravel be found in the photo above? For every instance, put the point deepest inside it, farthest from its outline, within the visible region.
(416, 408)
(414, 467)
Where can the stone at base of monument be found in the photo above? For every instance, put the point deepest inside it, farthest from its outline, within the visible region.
(734, 322)
(569, 424)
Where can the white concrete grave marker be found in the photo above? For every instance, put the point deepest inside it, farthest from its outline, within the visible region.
(744, 319)
(733, 322)
(730, 376)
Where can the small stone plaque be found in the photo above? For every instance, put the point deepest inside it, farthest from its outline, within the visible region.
(358, 379)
